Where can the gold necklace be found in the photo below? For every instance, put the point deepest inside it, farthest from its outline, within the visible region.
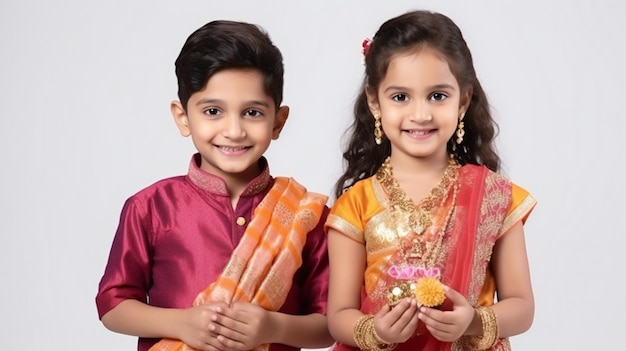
(420, 217)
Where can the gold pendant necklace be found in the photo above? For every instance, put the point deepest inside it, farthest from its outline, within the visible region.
(422, 247)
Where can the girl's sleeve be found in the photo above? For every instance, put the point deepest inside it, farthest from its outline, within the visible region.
(346, 214)
(127, 273)
(520, 207)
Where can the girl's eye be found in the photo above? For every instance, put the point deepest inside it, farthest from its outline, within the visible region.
(438, 96)
(400, 97)
(253, 113)
(212, 111)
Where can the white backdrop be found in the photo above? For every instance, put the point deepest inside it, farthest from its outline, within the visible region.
(85, 88)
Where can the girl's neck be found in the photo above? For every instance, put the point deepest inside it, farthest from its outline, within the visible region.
(417, 176)
(418, 166)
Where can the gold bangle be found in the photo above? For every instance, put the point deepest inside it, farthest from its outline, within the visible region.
(366, 338)
(359, 331)
(491, 330)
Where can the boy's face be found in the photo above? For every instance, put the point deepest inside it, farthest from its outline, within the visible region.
(231, 122)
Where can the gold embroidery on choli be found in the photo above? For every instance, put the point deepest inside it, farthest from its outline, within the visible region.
(420, 228)
(416, 232)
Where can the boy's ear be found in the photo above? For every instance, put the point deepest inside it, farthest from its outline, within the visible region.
(180, 117)
(372, 101)
(279, 121)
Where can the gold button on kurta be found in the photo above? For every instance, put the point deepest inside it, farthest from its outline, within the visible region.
(241, 221)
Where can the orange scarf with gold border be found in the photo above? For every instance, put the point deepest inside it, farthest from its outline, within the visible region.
(268, 254)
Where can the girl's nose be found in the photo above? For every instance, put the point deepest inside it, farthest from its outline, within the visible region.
(421, 113)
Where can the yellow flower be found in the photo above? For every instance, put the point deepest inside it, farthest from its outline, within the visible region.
(430, 292)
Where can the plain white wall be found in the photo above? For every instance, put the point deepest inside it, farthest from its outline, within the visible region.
(85, 88)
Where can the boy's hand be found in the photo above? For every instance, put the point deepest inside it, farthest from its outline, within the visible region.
(448, 326)
(397, 324)
(243, 326)
(195, 330)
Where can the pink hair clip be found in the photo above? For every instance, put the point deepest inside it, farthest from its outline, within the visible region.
(367, 42)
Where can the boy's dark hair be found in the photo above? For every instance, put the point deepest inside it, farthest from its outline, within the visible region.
(407, 32)
(220, 45)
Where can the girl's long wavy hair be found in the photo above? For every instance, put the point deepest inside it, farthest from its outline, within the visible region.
(407, 32)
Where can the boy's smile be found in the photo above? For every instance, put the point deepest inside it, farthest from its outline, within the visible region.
(231, 122)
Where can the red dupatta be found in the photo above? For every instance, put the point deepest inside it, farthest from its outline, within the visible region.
(268, 254)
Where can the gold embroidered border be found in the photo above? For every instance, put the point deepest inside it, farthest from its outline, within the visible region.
(492, 211)
(500, 345)
(379, 192)
(345, 227)
(520, 212)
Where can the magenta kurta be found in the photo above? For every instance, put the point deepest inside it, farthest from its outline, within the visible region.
(175, 237)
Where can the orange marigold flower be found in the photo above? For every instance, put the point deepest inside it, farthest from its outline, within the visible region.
(430, 292)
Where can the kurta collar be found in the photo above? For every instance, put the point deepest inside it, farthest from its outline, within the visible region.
(216, 185)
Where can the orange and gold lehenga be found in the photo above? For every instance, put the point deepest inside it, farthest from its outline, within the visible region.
(457, 244)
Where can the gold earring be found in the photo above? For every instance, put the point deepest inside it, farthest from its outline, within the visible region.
(460, 132)
(378, 132)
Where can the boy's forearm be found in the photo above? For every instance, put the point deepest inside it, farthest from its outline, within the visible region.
(133, 317)
(308, 331)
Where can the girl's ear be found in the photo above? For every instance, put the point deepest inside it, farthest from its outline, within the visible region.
(466, 98)
(180, 118)
(372, 100)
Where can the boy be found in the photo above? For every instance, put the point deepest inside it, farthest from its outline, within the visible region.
(248, 250)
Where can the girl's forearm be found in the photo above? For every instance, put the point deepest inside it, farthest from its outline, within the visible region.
(342, 325)
(515, 315)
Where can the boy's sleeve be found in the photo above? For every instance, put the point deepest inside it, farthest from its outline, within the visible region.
(315, 265)
(127, 273)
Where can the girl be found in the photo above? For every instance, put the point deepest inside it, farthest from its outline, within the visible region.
(425, 232)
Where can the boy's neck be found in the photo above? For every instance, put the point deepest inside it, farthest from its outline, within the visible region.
(236, 184)
(235, 188)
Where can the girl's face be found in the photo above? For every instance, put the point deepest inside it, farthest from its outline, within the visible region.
(420, 103)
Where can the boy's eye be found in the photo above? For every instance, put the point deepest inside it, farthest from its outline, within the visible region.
(438, 96)
(211, 111)
(400, 97)
(253, 113)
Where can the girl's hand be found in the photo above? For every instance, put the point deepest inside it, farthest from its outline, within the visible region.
(448, 326)
(397, 324)
(243, 326)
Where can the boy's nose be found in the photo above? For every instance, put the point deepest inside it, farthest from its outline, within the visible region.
(233, 128)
